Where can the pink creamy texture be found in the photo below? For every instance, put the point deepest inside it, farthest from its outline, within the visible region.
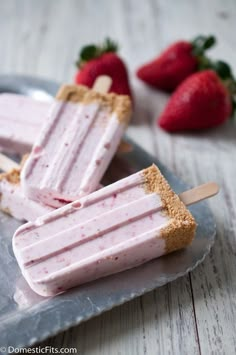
(21, 119)
(113, 229)
(20, 207)
(72, 152)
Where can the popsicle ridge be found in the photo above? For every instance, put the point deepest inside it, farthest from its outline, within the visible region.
(120, 104)
(113, 229)
(181, 229)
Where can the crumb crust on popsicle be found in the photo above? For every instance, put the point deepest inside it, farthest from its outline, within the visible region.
(181, 229)
(120, 104)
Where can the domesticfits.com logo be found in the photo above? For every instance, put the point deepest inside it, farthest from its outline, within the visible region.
(37, 350)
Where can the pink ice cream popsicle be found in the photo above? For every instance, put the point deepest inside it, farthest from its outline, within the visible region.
(21, 119)
(121, 226)
(75, 146)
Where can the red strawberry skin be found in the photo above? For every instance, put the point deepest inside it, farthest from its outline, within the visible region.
(107, 64)
(201, 101)
(168, 70)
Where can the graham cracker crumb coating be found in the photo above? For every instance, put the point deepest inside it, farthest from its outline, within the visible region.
(120, 104)
(181, 229)
(13, 176)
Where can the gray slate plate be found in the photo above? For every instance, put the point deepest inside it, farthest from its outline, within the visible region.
(26, 318)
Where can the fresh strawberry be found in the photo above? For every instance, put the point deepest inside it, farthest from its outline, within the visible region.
(176, 63)
(201, 101)
(103, 60)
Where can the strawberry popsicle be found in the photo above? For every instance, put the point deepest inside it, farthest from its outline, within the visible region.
(121, 226)
(21, 119)
(79, 138)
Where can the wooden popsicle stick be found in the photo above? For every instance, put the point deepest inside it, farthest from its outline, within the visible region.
(7, 164)
(102, 84)
(199, 193)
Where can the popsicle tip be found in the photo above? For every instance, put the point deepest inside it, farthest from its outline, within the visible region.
(215, 187)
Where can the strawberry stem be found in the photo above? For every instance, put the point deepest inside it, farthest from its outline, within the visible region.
(222, 69)
(88, 52)
(109, 46)
(202, 43)
(233, 109)
(93, 51)
(225, 73)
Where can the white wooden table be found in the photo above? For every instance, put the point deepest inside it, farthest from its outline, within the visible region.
(195, 314)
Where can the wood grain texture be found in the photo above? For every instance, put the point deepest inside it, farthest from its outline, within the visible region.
(195, 314)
